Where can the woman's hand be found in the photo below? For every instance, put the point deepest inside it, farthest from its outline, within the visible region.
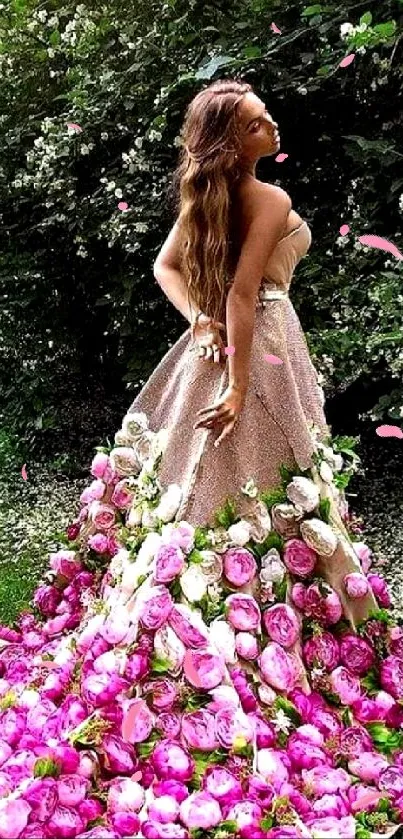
(223, 413)
(206, 333)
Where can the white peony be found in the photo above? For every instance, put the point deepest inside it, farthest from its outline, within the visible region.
(222, 636)
(193, 583)
(167, 645)
(149, 546)
(239, 533)
(118, 561)
(134, 425)
(135, 515)
(266, 694)
(149, 517)
(169, 503)
(303, 493)
(273, 569)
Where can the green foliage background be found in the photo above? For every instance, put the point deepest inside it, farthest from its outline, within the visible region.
(81, 313)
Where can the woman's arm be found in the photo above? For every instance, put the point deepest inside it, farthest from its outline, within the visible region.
(267, 211)
(174, 286)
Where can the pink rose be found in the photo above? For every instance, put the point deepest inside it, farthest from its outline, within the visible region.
(380, 590)
(279, 668)
(305, 755)
(176, 789)
(243, 612)
(156, 607)
(164, 809)
(322, 650)
(391, 781)
(161, 693)
(298, 594)
(391, 672)
(346, 685)
(356, 585)
(142, 724)
(246, 645)
(245, 813)
(169, 562)
(66, 563)
(356, 654)
(200, 811)
(239, 566)
(368, 766)
(103, 516)
(299, 558)
(170, 725)
(198, 730)
(282, 624)
(122, 496)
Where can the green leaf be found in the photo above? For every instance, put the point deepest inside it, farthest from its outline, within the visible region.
(160, 665)
(311, 10)
(366, 18)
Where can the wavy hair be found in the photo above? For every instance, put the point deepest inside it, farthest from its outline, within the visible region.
(203, 186)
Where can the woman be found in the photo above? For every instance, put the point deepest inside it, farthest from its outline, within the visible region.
(229, 675)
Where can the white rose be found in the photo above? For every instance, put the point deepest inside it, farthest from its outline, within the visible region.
(131, 575)
(325, 472)
(118, 560)
(149, 517)
(222, 636)
(211, 566)
(124, 461)
(120, 439)
(273, 570)
(149, 547)
(134, 424)
(239, 533)
(169, 503)
(134, 518)
(266, 694)
(193, 583)
(168, 645)
(303, 493)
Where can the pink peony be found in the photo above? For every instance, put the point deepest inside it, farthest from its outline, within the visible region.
(222, 785)
(243, 612)
(239, 566)
(356, 585)
(246, 645)
(354, 740)
(186, 626)
(322, 603)
(279, 669)
(200, 811)
(368, 766)
(356, 654)
(391, 781)
(169, 562)
(161, 693)
(322, 650)
(171, 761)
(323, 780)
(282, 624)
(391, 673)
(380, 590)
(299, 558)
(305, 755)
(203, 669)
(364, 554)
(334, 805)
(345, 685)
(273, 767)
(156, 607)
(298, 595)
(231, 722)
(198, 730)
(333, 828)
(363, 798)
(164, 809)
(66, 563)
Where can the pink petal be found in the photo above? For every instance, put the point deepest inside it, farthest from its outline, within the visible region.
(24, 472)
(137, 776)
(275, 28)
(130, 718)
(229, 350)
(280, 157)
(122, 205)
(347, 60)
(74, 125)
(273, 359)
(380, 242)
(190, 670)
(344, 229)
(389, 431)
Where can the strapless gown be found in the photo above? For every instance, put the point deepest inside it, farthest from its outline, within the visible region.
(200, 667)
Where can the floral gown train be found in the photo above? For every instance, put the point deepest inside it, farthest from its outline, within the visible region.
(210, 653)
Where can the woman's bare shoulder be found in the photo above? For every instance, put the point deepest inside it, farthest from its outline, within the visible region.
(251, 191)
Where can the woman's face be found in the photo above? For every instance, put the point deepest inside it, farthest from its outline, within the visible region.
(258, 130)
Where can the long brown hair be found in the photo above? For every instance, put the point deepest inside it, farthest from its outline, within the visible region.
(208, 169)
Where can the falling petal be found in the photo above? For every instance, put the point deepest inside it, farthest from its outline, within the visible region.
(380, 242)
(130, 718)
(24, 472)
(344, 229)
(389, 431)
(273, 359)
(137, 776)
(280, 157)
(347, 60)
(275, 28)
(51, 665)
(74, 125)
(122, 205)
(229, 350)
(190, 670)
